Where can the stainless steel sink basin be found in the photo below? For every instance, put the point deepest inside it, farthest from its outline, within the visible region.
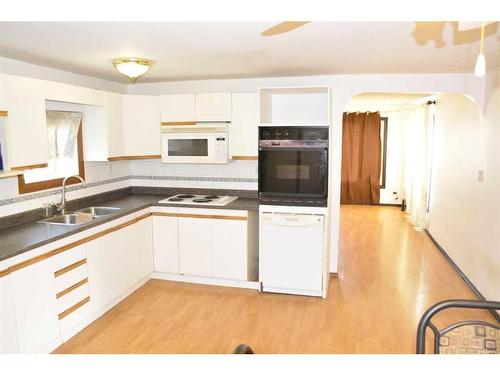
(76, 218)
(80, 217)
(98, 211)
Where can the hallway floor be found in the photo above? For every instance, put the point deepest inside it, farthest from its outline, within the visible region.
(389, 274)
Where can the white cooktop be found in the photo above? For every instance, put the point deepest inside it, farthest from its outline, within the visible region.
(199, 199)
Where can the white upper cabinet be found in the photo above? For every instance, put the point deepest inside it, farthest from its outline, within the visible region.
(3, 94)
(177, 108)
(36, 307)
(8, 331)
(141, 125)
(114, 124)
(244, 128)
(213, 107)
(27, 127)
(294, 106)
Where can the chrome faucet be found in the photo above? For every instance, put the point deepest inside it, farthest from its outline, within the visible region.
(61, 207)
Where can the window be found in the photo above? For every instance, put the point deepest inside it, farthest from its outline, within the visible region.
(384, 122)
(65, 142)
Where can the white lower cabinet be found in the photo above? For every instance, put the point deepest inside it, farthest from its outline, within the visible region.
(229, 249)
(165, 244)
(207, 243)
(145, 247)
(195, 246)
(36, 307)
(8, 330)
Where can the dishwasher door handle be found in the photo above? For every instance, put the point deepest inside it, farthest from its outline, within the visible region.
(294, 220)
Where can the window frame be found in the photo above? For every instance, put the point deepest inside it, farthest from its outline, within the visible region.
(385, 121)
(32, 187)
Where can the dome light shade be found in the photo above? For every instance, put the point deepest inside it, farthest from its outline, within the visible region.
(480, 69)
(132, 67)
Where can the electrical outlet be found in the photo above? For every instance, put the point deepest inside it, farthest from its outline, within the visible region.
(480, 175)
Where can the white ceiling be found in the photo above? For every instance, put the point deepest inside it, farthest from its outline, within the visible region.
(205, 50)
(388, 98)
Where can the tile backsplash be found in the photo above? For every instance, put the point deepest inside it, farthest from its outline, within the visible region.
(106, 176)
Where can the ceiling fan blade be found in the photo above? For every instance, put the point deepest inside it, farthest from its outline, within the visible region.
(283, 27)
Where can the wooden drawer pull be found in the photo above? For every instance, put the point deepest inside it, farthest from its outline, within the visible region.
(72, 287)
(200, 216)
(76, 306)
(62, 271)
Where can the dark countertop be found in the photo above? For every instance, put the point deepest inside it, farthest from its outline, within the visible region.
(21, 238)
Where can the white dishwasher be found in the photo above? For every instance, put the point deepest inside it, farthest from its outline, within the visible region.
(291, 251)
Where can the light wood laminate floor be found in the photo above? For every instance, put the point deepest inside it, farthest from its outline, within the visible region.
(388, 275)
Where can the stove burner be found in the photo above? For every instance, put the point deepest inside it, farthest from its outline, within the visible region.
(212, 197)
(185, 196)
(202, 200)
(175, 199)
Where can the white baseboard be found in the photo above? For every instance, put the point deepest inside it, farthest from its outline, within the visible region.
(207, 280)
(95, 315)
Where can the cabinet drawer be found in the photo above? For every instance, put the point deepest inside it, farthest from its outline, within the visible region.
(68, 257)
(73, 297)
(67, 322)
(67, 279)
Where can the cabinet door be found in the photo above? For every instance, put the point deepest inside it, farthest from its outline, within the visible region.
(229, 245)
(8, 331)
(195, 246)
(35, 306)
(27, 131)
(114, 123)
(243, 131)
(177, 108)
(145, 236)
(213, 107)
(166, 246)
(141, 125)
(102, 271)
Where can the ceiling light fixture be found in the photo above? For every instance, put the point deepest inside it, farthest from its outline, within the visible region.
(480, 69)
(132, 67)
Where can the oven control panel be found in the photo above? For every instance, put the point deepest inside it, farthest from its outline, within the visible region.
(310, 133)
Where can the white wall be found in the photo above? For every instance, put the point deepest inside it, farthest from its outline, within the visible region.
(20, 68)
(343, 88)
(465, 212)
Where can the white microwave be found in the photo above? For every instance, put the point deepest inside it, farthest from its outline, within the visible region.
(200, 143)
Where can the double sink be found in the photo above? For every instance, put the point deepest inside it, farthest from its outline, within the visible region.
(80, 217)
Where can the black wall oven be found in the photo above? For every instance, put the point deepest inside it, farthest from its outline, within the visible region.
(293, 165)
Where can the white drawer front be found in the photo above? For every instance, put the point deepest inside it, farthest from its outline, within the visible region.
(70, 278)
(68, 257)
(70, 320)
(73, 297)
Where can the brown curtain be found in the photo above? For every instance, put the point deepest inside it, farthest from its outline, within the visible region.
(361, 156)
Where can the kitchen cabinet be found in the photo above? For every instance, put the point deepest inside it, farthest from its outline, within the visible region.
(27, 143)
(8, 330)
(3, 94)
(114, 124)
(166, 245)
(145, 248)
(35, 306)
(177, 108)
(244, 127)
(195, 246)
(213, 107)
(141, 125)
(229, 249)
(102, 270)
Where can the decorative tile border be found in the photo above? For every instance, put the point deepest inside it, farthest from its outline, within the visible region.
(192, 178)
(47, 193)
